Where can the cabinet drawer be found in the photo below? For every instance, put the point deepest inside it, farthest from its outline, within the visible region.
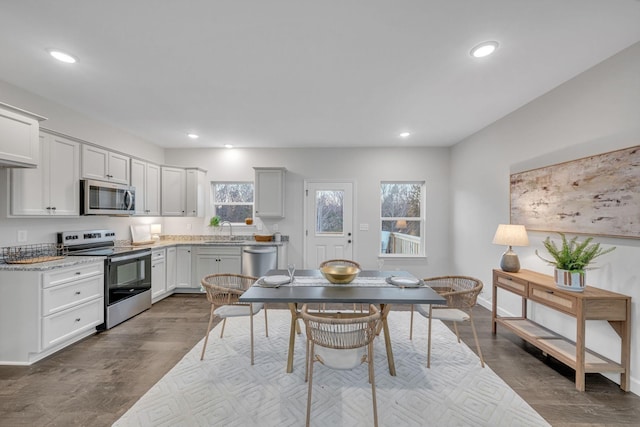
(513, 284)
(64, 325)
(552, 298)
(67, 295)
(157, 255)
(63, 275)
(217, 250)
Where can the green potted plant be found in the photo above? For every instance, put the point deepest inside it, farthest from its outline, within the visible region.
(214, 221)
(571, 259)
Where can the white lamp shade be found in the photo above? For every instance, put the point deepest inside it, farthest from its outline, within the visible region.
(155, 228)
(511, 235)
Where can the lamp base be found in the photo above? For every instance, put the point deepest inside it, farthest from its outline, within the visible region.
(510, 262)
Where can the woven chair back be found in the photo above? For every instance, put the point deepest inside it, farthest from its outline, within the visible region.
(460, 291)
(226, 288)
(347, 262)
(341, 331)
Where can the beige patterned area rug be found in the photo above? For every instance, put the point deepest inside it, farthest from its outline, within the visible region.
(225, 390)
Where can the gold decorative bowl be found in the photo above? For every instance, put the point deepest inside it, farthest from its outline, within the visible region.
(340, 274)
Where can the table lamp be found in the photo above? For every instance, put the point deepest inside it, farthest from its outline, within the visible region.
(510, 235)
(155, 230)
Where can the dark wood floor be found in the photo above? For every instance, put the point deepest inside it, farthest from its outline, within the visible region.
(95, 381)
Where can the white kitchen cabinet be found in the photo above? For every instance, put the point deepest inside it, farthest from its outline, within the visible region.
(195, 192)
(53, 188)
(19, 135)
(183, 191)
(173, 189)
(145, 177)
(42, 312)
(183, 267)
(171, 276)
(215, 259)
(269, 192)
(105, 165)
(158, 275)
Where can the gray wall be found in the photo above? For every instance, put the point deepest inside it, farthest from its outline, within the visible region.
(596, 112)
(365, 167)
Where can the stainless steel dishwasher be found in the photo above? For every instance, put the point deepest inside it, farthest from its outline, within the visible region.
(257, 260)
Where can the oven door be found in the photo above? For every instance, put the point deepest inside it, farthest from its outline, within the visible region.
(127, 276)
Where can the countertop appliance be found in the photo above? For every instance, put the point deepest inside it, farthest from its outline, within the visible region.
(106, 198)
(127, 274)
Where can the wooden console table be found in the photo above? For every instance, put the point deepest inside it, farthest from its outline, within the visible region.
(592, 304)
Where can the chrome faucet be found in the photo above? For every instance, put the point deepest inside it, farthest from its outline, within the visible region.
(230, 228)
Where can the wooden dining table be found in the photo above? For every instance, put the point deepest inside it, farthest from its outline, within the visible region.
(370, 287)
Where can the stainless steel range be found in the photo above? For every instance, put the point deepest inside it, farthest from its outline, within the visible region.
(127, 275)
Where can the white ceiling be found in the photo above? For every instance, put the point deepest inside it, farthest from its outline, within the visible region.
(303, 73)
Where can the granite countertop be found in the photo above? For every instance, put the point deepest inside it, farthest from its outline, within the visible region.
(68, 261)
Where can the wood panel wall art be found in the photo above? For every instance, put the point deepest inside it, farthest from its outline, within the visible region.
(596, 195)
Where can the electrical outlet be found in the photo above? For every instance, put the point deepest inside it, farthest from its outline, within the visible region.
(188, 226)
(274, 227)
(22, 235)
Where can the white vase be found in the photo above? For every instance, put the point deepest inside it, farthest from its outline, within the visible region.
(569, 280)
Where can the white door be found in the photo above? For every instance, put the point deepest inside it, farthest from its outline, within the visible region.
(328, 222)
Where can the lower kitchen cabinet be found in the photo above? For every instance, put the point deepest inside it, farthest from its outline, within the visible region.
(212, 260)
(183, 268)
(158, 275)
(171, 276)
(42, 312)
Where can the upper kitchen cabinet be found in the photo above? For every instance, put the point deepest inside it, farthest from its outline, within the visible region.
(52, 189)
(196, 192)
(104, 165)
(173, 185)
(269, 192)
(19, 137)
(183, 191)
(145, 177)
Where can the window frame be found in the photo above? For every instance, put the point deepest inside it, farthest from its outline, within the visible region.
(422, 219)
(213, 203)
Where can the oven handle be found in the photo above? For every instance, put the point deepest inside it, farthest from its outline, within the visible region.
(128, 195)
(143, 254)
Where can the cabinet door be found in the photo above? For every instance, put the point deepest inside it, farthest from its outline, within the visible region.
(53, 188)
(229, 264)
(64, 176)
(138, 180)
(173, 189)
(183, 268)
(205, 264)
(152, 193)
(29, 187)
(118, 167)
(95, 162)
(158, 274)
(269, 192)
(171, 268)
(18, 139)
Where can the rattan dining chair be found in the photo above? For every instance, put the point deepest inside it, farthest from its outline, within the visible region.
(461, 293)
(223, 292)
(340, 341)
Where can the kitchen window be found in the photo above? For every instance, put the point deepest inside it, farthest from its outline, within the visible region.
(233, 201)
(402, 207)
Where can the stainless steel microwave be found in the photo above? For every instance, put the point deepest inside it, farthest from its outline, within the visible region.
(106, 198)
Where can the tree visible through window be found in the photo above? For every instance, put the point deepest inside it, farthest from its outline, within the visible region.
(233, 201)
(401, 215)
(329, 211)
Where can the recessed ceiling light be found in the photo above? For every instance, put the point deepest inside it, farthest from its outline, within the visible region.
(193, 135)
(484, 49)
(405, 135)
(62, 56)
(228, 146)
